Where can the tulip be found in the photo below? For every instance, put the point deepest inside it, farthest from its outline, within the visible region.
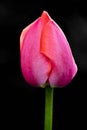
(46, 56)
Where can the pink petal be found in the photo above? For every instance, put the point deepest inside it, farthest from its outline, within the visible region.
(54, 45)
(44, 17)
(35, 66)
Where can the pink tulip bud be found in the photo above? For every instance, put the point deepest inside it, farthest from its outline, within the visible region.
(45, 54)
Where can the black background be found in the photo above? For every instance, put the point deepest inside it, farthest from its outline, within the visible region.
(22, 106)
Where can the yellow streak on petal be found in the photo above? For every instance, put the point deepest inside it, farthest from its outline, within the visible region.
(22, 36)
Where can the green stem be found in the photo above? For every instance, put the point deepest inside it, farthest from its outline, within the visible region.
(48, 108)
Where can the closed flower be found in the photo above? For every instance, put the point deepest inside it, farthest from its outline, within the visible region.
(45, 54)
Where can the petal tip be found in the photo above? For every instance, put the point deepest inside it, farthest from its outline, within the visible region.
(45, 15)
